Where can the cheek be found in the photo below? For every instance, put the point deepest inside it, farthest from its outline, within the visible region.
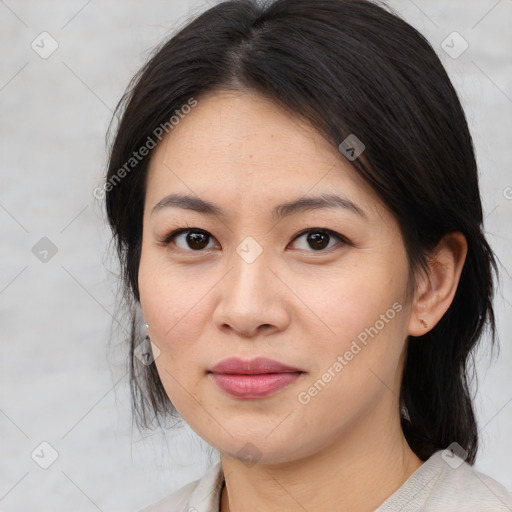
(363, 321)
(350, 302)
(173, 310)
(170, 303)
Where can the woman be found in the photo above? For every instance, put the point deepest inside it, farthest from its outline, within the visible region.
(294, 196)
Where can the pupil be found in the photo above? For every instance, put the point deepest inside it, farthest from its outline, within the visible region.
(316, 240)
(197, 240)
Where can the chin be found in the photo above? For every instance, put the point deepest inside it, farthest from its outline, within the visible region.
(259, 448)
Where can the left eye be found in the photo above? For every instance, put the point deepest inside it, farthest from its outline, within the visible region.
(194, 239)
(319, 239)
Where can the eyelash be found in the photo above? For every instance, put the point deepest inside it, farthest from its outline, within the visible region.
(344, 241)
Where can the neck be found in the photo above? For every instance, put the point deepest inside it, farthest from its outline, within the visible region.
(356, 473)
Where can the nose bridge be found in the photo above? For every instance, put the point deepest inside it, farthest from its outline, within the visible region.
(248, 297)
(250, 273)
(249, 293)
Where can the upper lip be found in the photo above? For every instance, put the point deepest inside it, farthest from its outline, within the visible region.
(259, 365)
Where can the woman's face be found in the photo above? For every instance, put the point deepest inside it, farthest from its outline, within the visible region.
(248, 281)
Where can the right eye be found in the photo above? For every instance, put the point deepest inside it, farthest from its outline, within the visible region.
(191, 239)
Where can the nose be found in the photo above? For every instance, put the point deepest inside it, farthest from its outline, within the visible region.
(252, 298)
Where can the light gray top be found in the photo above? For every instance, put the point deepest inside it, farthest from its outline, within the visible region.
(443, 483)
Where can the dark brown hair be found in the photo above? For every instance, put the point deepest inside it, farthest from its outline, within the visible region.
(347, 67)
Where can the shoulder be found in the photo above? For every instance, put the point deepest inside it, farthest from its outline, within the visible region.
(462, 485)
(200, 495)
(446, 483)
(175, 502)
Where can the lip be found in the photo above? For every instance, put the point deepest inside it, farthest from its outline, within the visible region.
(258, 365)
(256, 378)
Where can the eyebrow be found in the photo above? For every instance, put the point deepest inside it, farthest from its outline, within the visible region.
(280, 211)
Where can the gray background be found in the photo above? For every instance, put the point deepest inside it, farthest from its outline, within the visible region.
(61, 380)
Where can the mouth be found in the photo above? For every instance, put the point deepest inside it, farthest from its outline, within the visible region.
(257, 378)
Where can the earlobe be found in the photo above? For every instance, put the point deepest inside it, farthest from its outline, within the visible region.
(436, 288)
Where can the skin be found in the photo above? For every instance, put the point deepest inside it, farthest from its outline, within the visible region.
(344, 449)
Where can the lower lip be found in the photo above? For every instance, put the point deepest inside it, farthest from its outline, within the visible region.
(254, 386)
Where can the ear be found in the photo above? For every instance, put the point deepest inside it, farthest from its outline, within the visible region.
(437, 286)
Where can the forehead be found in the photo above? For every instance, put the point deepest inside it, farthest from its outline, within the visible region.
(239, 144)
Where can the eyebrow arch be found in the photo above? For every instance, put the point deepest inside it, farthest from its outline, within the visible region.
(280, 211)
